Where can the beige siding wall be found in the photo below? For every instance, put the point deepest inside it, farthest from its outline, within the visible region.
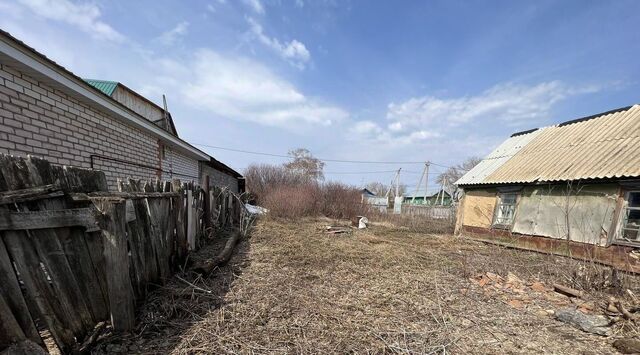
(39, 120)
(478, 208)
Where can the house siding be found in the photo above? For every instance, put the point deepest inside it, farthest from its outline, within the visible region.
(218, 178)
(42, 121)
(179, 166)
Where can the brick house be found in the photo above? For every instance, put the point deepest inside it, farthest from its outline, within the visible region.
(48, 111)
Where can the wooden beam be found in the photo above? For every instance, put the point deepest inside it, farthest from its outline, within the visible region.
(84, 217)
(30, 194)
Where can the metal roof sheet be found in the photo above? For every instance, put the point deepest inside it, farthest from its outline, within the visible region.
(497, 158)
(596, 147)
(105, 86)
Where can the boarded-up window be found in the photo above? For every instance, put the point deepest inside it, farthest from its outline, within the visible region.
(505, 210)
(631, 217)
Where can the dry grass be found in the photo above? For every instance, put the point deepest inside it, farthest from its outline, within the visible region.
(291, 288)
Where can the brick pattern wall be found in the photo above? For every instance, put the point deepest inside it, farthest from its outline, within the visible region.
(179, 166)
(39, 120)
(218, 178)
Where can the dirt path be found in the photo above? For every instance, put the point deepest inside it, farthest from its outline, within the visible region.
(294, 289)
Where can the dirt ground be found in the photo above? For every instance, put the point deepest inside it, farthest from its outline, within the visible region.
(292, 288)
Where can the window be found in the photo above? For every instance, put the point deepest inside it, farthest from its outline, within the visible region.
(631, 217)
(506, 209)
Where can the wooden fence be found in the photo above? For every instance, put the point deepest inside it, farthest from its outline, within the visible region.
(73, 254)
(434, 212)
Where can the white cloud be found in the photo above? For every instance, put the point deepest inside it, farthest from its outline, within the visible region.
(85, 16)
(243, 89)
(371, 131)
(255, 5)
(425, 118)
(171, 36)
(294, 51)
(506, 102)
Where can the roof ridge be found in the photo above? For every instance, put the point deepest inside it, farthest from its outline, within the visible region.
(576, 120)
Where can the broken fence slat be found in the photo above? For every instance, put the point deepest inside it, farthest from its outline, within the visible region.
(30, 220)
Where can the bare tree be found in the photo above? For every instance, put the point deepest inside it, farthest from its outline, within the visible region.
(305, 164)
(453, 173)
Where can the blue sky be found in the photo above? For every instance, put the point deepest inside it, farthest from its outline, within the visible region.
(351, 80)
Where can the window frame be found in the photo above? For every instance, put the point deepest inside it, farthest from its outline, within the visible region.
(497, 209)
(623, 216)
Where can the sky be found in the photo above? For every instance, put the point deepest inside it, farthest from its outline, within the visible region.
(393, 81)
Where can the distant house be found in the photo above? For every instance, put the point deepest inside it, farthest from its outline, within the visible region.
(375, 201)
(576, 182)
(440, 198)
(50, 112)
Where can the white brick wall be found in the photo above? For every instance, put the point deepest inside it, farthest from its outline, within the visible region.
(39, 120)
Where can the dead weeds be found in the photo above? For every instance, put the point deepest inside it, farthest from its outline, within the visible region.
(293, 288)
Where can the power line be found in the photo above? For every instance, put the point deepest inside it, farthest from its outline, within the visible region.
(321, 159)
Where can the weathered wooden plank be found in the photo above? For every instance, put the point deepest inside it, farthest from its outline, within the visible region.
(79, 258)
(48, 219)
(121, 297)
(157, 210)
(30, 194)
(67, 283)
(136, 254)
(37, 288)
(180, 225)
(191, 231)
(10, 290)
(10, 330)
(33, 267)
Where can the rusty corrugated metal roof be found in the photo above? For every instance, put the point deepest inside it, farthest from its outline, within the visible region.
(597, 147)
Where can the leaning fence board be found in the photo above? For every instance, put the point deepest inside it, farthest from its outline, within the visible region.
(10, 330)
(121, 301)
(37, 288)
(49, 219)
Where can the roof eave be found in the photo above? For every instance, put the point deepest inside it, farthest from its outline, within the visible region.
(17, 54)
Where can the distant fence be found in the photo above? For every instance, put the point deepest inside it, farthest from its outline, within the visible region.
(73, 254)
(435, 212)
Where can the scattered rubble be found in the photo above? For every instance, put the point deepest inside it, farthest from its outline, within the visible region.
(590, 323)
(627, 346)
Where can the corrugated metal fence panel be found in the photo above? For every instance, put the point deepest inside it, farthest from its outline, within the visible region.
(497, 158)
(604, 147)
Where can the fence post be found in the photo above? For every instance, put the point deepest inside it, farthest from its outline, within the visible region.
(207, 206)
(121, 299)
(191, 233)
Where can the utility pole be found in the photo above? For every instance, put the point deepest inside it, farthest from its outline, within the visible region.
(425, 170)
(426, 182)
(398, 182)
(395, 181)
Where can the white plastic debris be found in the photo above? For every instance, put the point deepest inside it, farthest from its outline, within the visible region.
(362, 222)
(255, 209)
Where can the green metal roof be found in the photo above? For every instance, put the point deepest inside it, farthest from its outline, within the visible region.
(103, 85)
